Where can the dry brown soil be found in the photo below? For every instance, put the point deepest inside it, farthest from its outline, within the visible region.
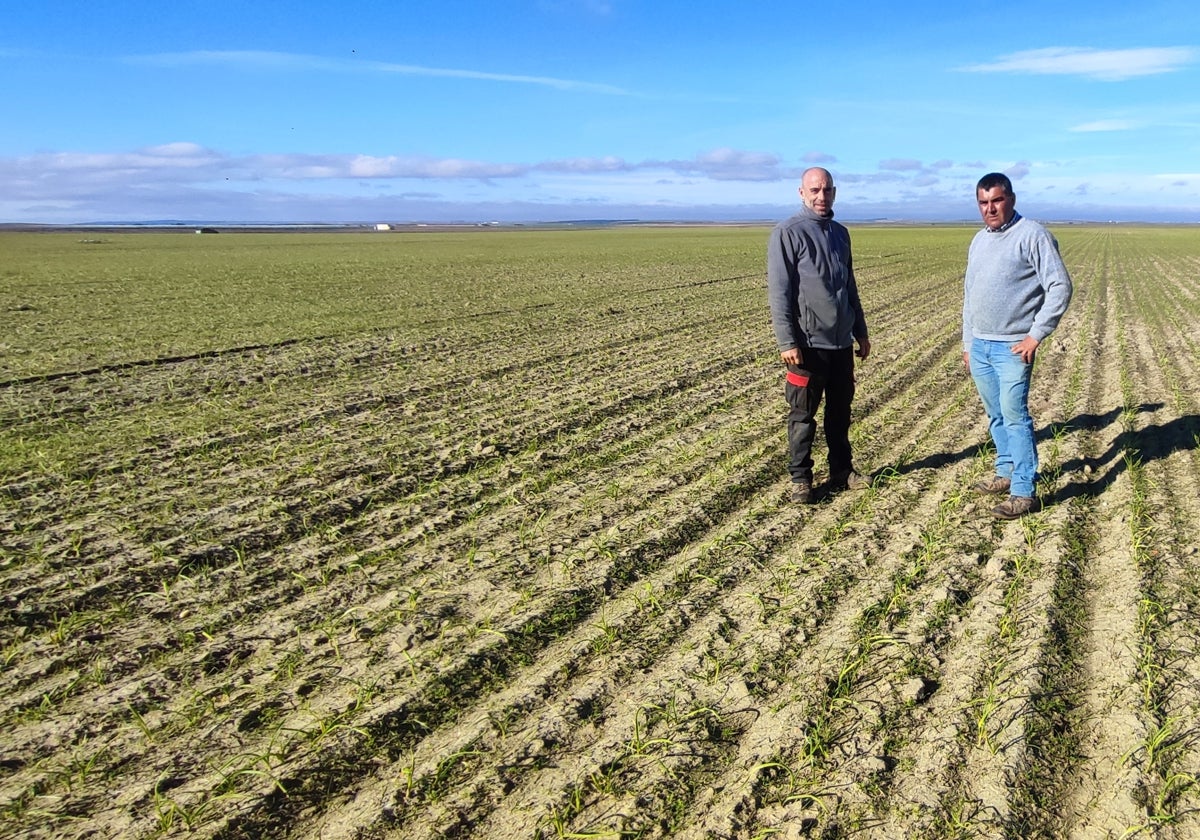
(547, 582)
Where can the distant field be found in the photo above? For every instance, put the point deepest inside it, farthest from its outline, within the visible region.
(486, 534)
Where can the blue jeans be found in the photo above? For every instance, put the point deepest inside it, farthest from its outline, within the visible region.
(1002, 380)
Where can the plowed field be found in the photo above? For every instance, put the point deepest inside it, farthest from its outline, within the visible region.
(486, 534)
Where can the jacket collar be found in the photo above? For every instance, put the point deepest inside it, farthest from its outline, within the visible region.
(808, 213)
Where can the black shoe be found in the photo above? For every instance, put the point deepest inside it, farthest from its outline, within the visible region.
(849, 480)
(801, 492)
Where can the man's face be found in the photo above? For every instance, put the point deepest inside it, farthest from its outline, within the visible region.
(996, 206)
(817, 192)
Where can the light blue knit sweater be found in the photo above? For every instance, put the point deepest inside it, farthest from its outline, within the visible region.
(1016, 284)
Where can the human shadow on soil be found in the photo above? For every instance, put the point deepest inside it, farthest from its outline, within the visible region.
(1150, 443)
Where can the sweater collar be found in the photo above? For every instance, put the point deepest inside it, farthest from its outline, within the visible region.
(1016, 217)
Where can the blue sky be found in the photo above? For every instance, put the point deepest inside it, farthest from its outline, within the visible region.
(540, 110)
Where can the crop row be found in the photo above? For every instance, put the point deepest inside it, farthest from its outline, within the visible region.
(537, 575)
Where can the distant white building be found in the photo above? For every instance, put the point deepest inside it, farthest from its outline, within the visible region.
(382, 226)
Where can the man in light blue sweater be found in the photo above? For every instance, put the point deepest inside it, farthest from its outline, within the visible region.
(1016, 291)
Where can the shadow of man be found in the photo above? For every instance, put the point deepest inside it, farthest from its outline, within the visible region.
(1149, 443)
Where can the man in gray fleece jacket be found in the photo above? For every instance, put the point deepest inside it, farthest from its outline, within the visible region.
(1015, 292)
(817, 316)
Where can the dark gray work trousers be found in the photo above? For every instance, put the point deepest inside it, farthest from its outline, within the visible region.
(827, 374)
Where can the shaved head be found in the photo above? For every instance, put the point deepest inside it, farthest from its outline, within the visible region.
(817, 190)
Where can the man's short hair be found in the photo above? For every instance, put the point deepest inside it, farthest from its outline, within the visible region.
(993, 180)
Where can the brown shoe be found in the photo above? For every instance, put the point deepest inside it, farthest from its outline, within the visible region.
(801, 492)
(995, 485)
(1015, 507)
(849, 481)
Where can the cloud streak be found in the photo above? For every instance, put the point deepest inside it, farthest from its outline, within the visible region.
(1102, 65)
(294, 62)
(1105, 125)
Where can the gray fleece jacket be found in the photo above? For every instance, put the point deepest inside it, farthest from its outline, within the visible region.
(810, 284)
(1016, 284)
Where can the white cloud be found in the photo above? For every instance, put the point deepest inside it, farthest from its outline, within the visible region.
(1105, 125)
(1019, 170)
(179, 151)
(901, 165)
(727, 164)
(188, 181)
(62, 175)
(735, 165)
(1104, 65)
(367, 166)
(586, 165)
(871, 178)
